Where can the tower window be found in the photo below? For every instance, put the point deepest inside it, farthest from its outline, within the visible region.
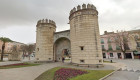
(82, 47)
(82, 61)
(100, 61)
(49, 58)
(37, 49)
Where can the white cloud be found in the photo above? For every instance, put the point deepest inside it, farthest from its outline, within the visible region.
(20, 16)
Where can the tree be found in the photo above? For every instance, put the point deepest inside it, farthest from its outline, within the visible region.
(4, 40)
(23, 49)
(121, 39)
(30, 49)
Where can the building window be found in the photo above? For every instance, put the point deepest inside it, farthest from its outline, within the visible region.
(117, 47)
(103, 48)
(136, 37)
(82, 61)
(100, 61)
(109, 40)
(49, 58)
(102, 41)
(104, 55)
(110, 47)
(138, 44)
(111, 54)
(37, 49)
(82, 47)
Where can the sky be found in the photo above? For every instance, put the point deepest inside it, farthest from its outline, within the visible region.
(18, 18)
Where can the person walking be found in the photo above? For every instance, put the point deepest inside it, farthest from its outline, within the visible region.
(63, 59)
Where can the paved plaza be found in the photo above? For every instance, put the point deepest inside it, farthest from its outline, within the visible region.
(30, 73)
(124, 75)
(26, 73)
(131, 70)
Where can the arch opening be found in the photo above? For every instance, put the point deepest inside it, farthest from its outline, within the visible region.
(62, 48)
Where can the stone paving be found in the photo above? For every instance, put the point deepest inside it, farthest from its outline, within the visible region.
(130, 70)
(124, 75)
(130, 63)
(30, 73)
(26, 73)
(9, 62)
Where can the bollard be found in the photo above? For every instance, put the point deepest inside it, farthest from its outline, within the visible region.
(111, 61)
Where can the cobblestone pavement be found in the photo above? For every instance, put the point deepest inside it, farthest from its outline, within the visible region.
(131, 70)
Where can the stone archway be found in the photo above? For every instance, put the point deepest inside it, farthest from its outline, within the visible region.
(61, 48)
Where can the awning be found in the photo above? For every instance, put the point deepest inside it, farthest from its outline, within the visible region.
(137, 52)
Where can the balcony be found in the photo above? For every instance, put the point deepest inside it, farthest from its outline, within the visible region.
(110, 49)
(102, 42)
(138, 48)
(118, 48)
(109, 41)
(103, 49)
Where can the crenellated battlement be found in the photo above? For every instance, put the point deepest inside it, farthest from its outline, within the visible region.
(46, 21)
(83, 7)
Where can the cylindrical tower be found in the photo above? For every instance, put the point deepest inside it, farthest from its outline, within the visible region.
(84, 35)
(44, 39)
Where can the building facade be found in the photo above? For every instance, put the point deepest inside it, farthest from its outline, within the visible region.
(9, 47)
(81, 42)
(110, 48)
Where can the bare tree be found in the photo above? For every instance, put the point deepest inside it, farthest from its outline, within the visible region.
(23, 49)
(27, 49)
(30, 49)
(121, 38)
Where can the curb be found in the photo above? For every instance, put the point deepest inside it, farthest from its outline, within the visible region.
(103, 78)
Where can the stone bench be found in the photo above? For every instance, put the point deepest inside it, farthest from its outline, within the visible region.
(89, 65)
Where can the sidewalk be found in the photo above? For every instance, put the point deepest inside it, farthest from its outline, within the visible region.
(130, 66)
(26, 73)
(124, 75)
(9, 62)
(6, 62)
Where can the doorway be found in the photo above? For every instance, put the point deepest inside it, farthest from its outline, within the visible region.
(119, 55)
(128, 55)
(61, 48)
(104, 55)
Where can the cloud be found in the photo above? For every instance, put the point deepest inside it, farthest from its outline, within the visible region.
(118, 14)
(113, 14)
